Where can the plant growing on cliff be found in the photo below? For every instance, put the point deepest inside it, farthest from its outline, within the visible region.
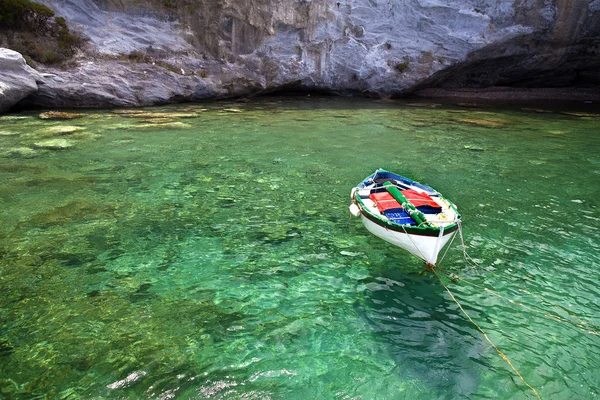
(64, 37)
(33, 30)
(398, 66)
(136, 56)
(25, 14)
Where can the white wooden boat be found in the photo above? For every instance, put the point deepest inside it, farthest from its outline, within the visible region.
(405, 213)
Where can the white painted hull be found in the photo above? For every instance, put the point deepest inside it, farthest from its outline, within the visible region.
(426, 248)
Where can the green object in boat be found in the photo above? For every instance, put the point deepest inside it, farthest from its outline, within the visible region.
(415, 214)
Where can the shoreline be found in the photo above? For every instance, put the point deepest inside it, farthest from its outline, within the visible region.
(553, 98)
(530, 99)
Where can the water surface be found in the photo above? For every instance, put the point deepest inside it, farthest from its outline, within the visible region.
(206, 251)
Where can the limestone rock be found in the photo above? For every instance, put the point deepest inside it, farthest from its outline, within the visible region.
(17, 79)
(116, 84)
(201, 48)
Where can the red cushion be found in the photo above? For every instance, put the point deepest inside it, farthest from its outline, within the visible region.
(419, 199)
(384, 201)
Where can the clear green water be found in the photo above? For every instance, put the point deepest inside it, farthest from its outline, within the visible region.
(213, 257)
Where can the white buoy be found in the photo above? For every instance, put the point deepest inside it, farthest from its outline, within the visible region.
(354, 210)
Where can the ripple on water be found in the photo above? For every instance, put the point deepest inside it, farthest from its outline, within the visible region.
(207, 251)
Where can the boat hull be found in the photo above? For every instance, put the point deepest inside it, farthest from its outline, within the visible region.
(424, 247)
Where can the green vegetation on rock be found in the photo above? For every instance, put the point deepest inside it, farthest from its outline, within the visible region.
(25, 15)
(33, 30)
(401, 67)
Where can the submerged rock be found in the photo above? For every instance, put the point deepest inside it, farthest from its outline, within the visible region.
(84, 136)
(166, 125)
(118, 127)
(482, 122)
(14, 118)
(60, 130)
(72, 211)
(536, 110)
(24, 152)
(424, 105)
(54, 144)
(398, 127)
(165, 115)
(128, 111)
(155, 121)
(473, 148)
(580, 114)
(59, 115)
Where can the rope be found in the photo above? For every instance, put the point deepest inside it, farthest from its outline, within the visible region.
(416, 247)
(447, 248)
(349, 220)
(581, 324)
(468, 258)
(500, 353)
(569, 312)
(470, 261)
(546, 314)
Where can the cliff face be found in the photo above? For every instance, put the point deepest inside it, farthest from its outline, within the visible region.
(565, 52)
(216, 48)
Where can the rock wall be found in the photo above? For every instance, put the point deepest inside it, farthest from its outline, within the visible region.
(564, 52)
(219, 48)
(17, 79)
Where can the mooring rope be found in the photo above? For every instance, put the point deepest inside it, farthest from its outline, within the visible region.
(581, 322)
(580, 325)
(414, 245)
(468, 258)
(447, 248)
(500, 353)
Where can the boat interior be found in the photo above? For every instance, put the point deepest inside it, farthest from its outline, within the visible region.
(378, 201)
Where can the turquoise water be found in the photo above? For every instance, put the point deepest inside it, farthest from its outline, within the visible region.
(206, 251)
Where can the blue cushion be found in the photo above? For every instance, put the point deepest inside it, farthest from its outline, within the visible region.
(399, 216)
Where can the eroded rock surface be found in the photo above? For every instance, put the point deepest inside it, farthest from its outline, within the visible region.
(17, 79)
(205, 48)
(116, 84)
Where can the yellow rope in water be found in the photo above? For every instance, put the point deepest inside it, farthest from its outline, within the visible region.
(581, 325)
(500, 353)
